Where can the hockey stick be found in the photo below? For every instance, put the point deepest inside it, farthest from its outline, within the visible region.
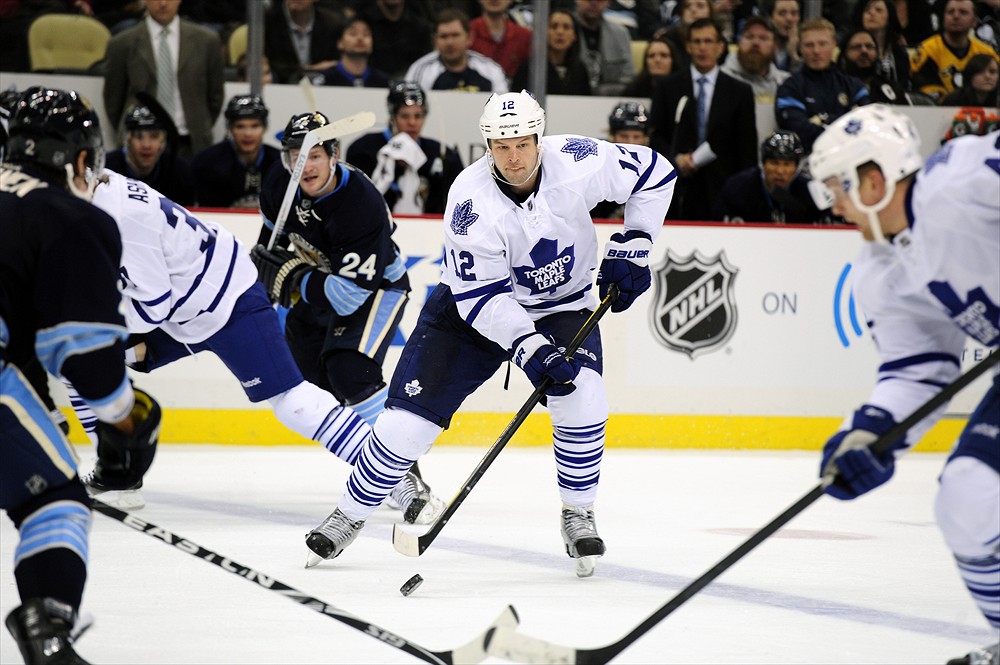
(508, 643)
(472, 652)
(414, 545)
(349, 125)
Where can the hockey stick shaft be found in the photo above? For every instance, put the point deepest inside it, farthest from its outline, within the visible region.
(508, 617)
(507, 643)
(412, 545)
(349, 125)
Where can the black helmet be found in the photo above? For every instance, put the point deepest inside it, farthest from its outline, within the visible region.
(405, 93)
(782, 145)
(295, 133)
(140, 117)
(52, 127)
(628, 115)
(8, 100)
(246, 107)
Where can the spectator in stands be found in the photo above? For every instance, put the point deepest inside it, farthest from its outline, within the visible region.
(229, 173)
(242, 64)
(786, 15)
(605, 48)
(413, 172)
(118, 15)
(139, 57)
(820, 92)
(879, 18)
(640, 17)
(566, 73)
(658, 62)
(775, 191)
(353, 67)
(148, 156)
(915, 20)
(452, 66)
(497, 37)
(940, 57)
(858, 57)
(300, 38)
(400, 34)
(688, 12)
(627, 124)
(704, 121)
(753, 61)
(979, 84)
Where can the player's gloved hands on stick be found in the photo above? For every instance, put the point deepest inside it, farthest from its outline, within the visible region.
(625, 263)
(540, 359)
(281, 272)
(125, 450)
(848, 454)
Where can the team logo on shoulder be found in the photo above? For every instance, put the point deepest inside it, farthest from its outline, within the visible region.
(550, 268)
(580, 148)
(304, 211)
(694, 311)
(462, 218)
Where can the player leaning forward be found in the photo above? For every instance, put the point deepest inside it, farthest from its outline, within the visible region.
(517, 283)
(928, 278)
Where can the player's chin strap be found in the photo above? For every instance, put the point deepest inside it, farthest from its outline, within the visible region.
(493, 170)
(87, 193)
(873, 210)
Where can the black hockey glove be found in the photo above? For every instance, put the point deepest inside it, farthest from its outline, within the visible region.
(280, 272)
(542, 360)
(123, 459)
(626, 263)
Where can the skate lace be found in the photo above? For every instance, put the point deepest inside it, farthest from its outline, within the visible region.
(409, 488)
(338, 528)
(578, 523)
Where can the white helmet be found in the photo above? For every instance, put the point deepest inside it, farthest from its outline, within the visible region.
(875, 133)
(511, 114)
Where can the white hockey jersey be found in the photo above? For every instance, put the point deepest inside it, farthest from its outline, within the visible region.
(509, 264)
(938, 282)
(178, 273)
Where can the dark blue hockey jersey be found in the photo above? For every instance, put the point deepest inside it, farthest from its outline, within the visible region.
(223, 180)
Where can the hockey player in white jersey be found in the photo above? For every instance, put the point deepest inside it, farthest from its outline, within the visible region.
(517, 282)
(928, 279)
(190, 286)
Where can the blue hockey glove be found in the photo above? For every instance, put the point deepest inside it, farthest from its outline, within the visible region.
(848, 454)
(626, 263)
(541, 360)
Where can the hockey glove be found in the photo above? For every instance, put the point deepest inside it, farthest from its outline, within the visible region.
(849, 456)
(280, 272)
(123, 459)
(542, 360)
(626, 263)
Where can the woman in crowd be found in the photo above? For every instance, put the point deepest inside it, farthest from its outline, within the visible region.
(566, 72)
(658, 61)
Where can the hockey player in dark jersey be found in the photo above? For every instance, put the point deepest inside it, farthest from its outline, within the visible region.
(149, 157)
(775, 191)
(229, 174)
(412, 171)
(73, 327)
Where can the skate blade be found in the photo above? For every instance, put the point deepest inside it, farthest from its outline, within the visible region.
(313, 560)
(431, 511)
(121, 499)
(585, 566)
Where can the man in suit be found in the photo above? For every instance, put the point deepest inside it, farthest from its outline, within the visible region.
(190, 56)
(301, 38)
(704, 121)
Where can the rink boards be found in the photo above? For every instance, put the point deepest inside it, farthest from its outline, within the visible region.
(749, 339)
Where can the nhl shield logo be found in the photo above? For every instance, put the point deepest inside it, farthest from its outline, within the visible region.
(695, 311)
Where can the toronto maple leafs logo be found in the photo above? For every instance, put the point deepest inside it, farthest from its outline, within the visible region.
(939, 157)
(580, 148)
(462, 218)
(550, 268)
(853, 127)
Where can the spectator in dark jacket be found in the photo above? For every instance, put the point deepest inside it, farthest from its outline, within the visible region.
(858, 57)
(300, 38)
(354, 67)
(567, 75)
(979, 84)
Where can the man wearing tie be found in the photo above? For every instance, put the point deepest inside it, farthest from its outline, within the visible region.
(704, 121)
(178, 62)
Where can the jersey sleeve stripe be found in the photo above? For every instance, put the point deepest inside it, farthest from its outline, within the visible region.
(344, 295)
(225, 282)
(499, 286)
(156, 301)
(478, 307)
(670, 176)
(137, 306)
(789, 102)
(55, 345)
(396, 270)
(209, 253)
(919, 359)
(648, 172)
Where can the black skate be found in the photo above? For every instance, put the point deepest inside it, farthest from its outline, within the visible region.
(413, 496)
(41, 628)
(985, 656)
(331, 537)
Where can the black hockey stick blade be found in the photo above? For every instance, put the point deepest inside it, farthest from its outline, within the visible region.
(507, 643)
(413, 545)
(471, 652)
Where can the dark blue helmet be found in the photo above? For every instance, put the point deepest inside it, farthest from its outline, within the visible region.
(141, 117)
(51, 127)
(628, 115)
(405, 93)
(243, 107)
(782, 145)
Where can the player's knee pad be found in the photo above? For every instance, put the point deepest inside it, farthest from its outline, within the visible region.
(58, 517)
(303, 408)
(586, 405)
(968, 507)
(353, 376)
(123, 459)
(404, 433)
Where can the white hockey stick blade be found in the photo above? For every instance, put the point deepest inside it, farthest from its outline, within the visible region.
(405, 543)
(475, 650)
(507, 643)
(349, 125)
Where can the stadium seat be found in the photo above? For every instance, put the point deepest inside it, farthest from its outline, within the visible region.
(66, 43)
(237, 44)
(638, 50)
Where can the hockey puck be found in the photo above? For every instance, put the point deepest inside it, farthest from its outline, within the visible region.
(411, 585)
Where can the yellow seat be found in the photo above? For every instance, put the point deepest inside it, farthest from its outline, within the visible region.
(66, 42)
(638, 51)
(237, 44)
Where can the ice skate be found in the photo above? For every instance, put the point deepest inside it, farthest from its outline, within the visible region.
(983, 656)
(129, 498)
(579, 532)
(331, 537)
(43, 637)
(413, 496)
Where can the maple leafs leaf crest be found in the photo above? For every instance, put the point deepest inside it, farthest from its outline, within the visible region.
(462, 218)
(580, 148)
(550, 268)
